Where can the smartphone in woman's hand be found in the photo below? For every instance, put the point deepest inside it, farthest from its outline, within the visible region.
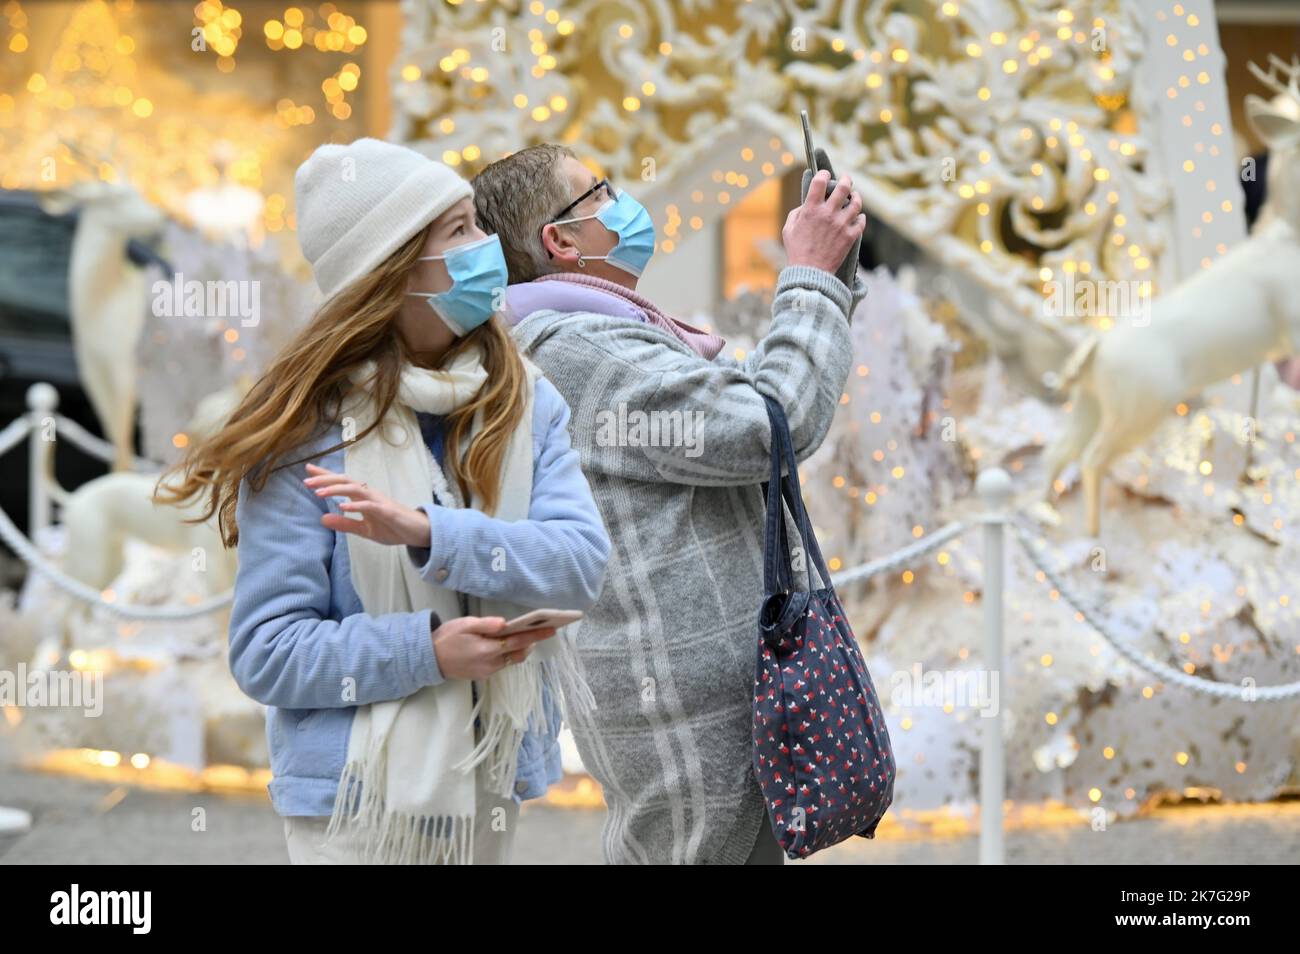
(541, 619)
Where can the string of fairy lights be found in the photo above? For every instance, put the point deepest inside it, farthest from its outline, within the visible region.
(96, 95)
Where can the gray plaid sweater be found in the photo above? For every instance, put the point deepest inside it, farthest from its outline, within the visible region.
(675, 447)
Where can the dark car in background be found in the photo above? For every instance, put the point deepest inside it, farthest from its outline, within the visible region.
(36, 344)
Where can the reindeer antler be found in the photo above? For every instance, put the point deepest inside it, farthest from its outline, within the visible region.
(1273, 81)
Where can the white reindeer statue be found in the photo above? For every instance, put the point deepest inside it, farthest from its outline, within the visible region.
(1241, 312)
(108, 298)
(101, 514)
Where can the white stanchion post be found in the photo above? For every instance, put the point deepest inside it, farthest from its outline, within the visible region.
(42, 400)
(994, 488)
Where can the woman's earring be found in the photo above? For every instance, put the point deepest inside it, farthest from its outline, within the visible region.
(581, 263)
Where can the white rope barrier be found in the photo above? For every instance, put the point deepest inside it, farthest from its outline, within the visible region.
(13, 435)
(1222, 690)
(28, 426)
(28, 553)
(910, 554)
(81, 438)
(901, 557)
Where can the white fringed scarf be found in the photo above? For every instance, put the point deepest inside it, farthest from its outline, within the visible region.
(415, 758)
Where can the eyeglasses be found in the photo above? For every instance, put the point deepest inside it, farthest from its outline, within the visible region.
(610, 193)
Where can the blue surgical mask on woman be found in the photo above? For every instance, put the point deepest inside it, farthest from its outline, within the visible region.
(628, 219)
(478, 276)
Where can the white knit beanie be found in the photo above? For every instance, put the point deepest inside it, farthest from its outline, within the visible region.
(359, 203)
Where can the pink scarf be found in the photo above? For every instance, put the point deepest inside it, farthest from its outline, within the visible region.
(531, 296)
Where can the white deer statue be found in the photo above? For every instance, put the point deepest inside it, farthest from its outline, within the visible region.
(108, 299)
(1239, 313)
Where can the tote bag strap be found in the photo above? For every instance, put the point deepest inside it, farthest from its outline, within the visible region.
(784, 567)
(783, 444)
(778, 577)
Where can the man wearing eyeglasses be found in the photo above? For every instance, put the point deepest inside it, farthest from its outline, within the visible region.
(674, 439)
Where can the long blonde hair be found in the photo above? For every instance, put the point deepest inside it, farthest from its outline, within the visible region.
(300, 395)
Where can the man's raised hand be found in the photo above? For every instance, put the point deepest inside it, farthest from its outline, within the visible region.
(826, 227)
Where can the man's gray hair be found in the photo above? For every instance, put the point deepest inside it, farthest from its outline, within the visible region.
(514, 197)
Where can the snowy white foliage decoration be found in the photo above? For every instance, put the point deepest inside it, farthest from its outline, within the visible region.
(1006, 138)
(891, 461)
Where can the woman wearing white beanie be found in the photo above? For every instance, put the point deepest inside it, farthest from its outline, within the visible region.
(399, 483)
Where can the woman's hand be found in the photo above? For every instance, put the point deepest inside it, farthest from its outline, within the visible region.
(384, 520)
(468, 647)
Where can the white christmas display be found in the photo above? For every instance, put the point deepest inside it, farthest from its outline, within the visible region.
(1010, 140)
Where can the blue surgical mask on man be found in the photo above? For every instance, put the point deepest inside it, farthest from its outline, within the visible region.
(478, 281)
(628, 219)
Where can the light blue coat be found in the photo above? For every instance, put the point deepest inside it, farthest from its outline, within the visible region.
(298, 630)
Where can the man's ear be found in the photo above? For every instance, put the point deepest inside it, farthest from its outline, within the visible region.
(555, 241)
(1275, 127)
